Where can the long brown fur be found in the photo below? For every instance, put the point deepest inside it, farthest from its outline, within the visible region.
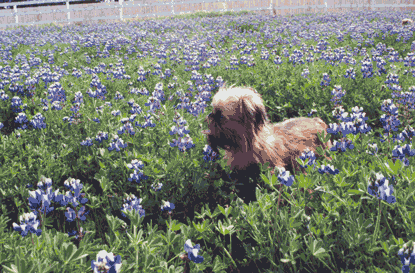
(239, 124)
(407, 21)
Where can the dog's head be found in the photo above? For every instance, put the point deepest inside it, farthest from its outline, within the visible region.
(238, 114)
(407, 21)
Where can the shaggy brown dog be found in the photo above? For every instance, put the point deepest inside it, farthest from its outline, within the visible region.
(407, 21)
(239, 124)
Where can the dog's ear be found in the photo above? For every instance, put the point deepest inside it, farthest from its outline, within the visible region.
(251, 113)
(218, 116)
(259, 115)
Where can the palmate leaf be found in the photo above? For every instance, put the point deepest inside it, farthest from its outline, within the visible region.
(69, 253)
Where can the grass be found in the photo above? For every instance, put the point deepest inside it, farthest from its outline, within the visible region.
(323, 221)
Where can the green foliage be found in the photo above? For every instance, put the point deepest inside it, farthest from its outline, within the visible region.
(338, 227)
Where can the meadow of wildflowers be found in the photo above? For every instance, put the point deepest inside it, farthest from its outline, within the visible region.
(104, 167)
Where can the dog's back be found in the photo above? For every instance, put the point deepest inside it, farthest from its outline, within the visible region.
(300, 134)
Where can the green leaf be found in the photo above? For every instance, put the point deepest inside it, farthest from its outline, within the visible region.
(392, 168)
(317, 251)
(340, 181)
(78, 255)
(134, 217)
(264, 167)
(22, 266)
(302, 162)
(170, 166)
(265, 179)
(200, 227)
(136, 238)
(173, 226)
(103, 181)
(323, 136)
(196, 163)
(352, 137)
(348, 172)
(374, 249)
(385, 247)
(88, 159)
(354, 192)
(314, 231)
(321, 252)
(409, 175)
(304, 181)
(101, 165)
(226, 211)
(295, 224)
(270, 181)
(224, 230)
(274, 179)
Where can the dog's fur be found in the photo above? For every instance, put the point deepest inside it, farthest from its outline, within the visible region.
(407, 21)
(239, 124)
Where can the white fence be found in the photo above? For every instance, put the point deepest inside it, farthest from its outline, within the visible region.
(122, 10)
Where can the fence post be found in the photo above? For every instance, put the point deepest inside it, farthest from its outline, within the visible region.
(69, 13)
(15, 11)
(172, 7)
(121, 1)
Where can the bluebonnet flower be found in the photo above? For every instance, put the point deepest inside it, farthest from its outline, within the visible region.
(328, 169)
(307, 154)
(106, 262)
(167, 206)
(209, 154)
(132, 203)
(28, 223)
(407, 256)
(380, 188)
(138, 174)
(192, 252)
(157, 187)
(373, 149)
(117, 143)
(284, 177)
(326, 80)
(72, 215)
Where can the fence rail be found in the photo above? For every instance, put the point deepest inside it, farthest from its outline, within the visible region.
(138, 8)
